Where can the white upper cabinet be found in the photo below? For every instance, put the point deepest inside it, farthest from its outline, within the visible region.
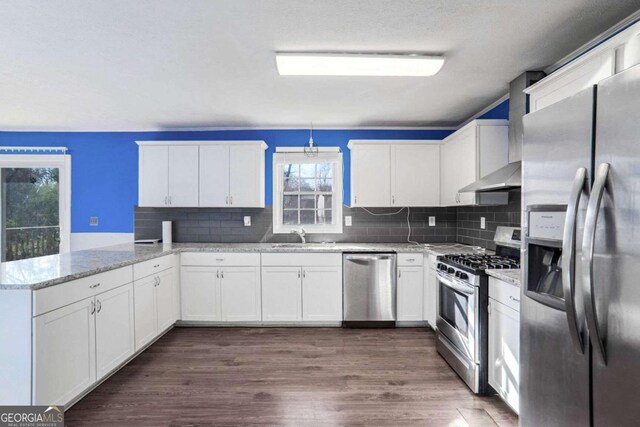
(153, 178)
(474, 151)
(370, 175)
(183, 175)
(395, 173)
(408, 187)
(201, 173)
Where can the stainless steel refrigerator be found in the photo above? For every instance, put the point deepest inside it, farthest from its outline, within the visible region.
(580, 314)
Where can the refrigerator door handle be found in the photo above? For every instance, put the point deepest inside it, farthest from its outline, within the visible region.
(588, 247)
(569, 258)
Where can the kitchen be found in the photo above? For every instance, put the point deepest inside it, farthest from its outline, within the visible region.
(267, 255)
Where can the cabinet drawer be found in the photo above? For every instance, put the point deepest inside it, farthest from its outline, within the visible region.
(47, 299)
(153, 266)
(220, 259)
(299, 259)
(410, 259)
(504, 292)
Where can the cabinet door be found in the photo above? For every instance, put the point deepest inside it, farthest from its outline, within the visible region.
(448, 173)
(371, 175)
(415, 175)
(504, 351)
(200, 294)
(246, 176)
(145, 310)
(410, 293)
(183, 176)
(214, 175)
(64, 353)
(281, 293)
(165, 305)
(466, 167)
(240, 298)
(153, 179)
(430, 293)
(322, 293)
(115, 332)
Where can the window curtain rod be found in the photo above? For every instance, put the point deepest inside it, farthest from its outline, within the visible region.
(60, 150)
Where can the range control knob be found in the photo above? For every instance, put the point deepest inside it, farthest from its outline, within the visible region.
(442, 267)
(450, 270)
(463, 276)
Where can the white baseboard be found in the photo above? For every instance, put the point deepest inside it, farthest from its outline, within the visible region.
(81, 241)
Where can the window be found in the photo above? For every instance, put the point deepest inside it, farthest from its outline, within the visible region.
(307, 192)
(35, 205)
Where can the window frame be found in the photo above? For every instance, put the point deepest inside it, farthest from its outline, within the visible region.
(63, 163)
(282, 158)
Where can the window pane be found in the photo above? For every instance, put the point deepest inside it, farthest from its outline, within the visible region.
(307, 185)
(308, 170)
(324, 170)
(291, 184)
(308, 202)
(31, 212)
(308, 217)
(324, 217)
(291, 170)
(323, 201)
(324, 184)
(290, 217)
(290, 202)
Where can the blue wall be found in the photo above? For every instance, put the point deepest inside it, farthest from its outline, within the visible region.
(500, 111)
(104, 171)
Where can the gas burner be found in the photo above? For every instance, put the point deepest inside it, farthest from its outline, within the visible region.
(483, 262)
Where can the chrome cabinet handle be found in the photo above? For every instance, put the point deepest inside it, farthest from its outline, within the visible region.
(170, 200)
(226, 200)
(222, 274)
(512, 298)
(166, 200)
(230, 200)
(219, 259)
(399, 274)
(588, 247)
(99, 306)
(298, 274)
(355, 199)
(93, 307)
(156, 266)
(94, 286)
(217, 274)
(393, 200)
(569, 258)
(304, 274)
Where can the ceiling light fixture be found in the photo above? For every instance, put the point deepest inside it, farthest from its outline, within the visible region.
(344, 64)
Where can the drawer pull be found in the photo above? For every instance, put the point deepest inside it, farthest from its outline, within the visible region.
(411, 259)
(99, 306)
(94, 286)
(156, 266)
(514, 299)
(219, 259)
(93, 307)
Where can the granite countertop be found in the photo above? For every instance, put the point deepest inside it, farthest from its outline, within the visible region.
(510, 276)
(42, 272)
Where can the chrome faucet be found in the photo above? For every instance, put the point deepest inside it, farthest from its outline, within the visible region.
(301, 233)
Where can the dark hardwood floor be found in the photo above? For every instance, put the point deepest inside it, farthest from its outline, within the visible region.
(294, 377)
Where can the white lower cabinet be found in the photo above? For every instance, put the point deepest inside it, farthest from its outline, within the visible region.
(154, 306)
(410, 297)
(504, 343)
(281, 294)
(322, 293)
(64, 360)
(200, 293)
(240, 298)
(115, 341)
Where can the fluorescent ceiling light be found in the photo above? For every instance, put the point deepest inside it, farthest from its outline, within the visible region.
(336, 64)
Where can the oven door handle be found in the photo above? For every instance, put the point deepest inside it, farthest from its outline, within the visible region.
(465, 289)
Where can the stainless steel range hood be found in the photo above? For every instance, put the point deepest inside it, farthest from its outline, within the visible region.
(509, 176)
(505, 178)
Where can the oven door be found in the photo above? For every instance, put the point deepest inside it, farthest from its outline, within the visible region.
(457, 320)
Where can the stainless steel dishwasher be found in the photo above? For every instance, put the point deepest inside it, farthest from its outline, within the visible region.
(369, 280)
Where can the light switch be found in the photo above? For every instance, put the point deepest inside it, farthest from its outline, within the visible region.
(247, 221)
(483, 223)
(93, 221)
(432, 221)
(347, 221)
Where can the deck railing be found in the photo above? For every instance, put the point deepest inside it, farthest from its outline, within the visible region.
(29, 242)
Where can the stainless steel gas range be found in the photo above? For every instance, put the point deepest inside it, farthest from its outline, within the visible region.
(463, 297)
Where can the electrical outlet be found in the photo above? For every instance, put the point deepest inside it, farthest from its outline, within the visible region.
(432, 221)
(483, 223)
(93, 221)
(347, 221)
(247, 221)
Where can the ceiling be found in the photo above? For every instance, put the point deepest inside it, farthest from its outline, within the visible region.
(171, 64)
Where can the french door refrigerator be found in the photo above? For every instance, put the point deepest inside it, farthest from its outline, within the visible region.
(580, 314)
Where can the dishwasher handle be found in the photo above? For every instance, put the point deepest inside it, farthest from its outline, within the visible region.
(368, 257)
